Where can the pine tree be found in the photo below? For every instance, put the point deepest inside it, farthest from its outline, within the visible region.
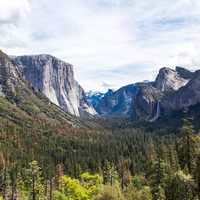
(110, 174)
(158, 178)
(186, 148)
(34, 181)
(197, 176)
(182, 187)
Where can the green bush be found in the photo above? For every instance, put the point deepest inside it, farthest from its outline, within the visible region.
(110, 193)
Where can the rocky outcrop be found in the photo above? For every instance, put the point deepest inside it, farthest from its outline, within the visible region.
(171, 90)
(9, 76)
(93, 98)
(186, 96)
(184, 73)
(170, 80)
(147, 102)
(164, 94)
(55, 79)
(23, 105)
(117, 103)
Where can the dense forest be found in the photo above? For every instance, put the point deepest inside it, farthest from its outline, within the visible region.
(103, 164)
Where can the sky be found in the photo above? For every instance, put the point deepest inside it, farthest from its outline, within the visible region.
(110, 43)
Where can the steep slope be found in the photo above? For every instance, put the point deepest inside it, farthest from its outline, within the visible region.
(186, 96)
(93, 98)
(146, 106)
(184, 73)
(55, 79)
(22, 105)
(117, 103)
(149, 100)
(9, 77)
(170, 80)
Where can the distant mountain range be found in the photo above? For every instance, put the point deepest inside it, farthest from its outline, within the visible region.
(93, 98)
(172, 90)
(23, 78)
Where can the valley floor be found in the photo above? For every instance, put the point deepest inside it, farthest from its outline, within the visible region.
(38, 163)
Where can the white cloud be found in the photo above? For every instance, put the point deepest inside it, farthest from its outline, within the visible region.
(108, 41)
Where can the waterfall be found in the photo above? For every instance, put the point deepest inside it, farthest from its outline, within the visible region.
(157, 115)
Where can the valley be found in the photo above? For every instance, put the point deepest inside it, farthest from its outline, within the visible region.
(58, 142)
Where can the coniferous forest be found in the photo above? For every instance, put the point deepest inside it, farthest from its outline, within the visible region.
(99, 100)
(102, 164)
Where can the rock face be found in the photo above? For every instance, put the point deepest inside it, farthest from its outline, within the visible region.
(9, 76)
(186, 96)
(55, 79)
(146, 106)
(170, 80)
(156, 99)
(117, 103)
(93, 98)
(23, 105)
(171, 90)
(184, 73)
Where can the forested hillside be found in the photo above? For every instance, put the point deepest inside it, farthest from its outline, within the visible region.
(48, 154)
(37, 164)
(99, 100)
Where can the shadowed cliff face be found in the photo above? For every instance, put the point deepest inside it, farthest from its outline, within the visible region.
(117, 103)
(55, 79)
(9, 76)
(147, 100)
(150, 101)
(169, 80)
(171, 90)
(186, 96)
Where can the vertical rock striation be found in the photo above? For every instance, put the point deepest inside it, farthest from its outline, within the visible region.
(55, 78)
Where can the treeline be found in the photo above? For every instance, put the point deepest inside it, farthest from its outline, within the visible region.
(37, 164)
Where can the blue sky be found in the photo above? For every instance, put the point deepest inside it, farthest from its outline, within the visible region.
(111, 43)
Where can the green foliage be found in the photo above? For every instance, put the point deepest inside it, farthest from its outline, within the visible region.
(143, 193)
(124, 163)
(159, 175)
(197, 175)
(159, 194)
(92, 182)
(73, 189)
(182, 187)
(110, 192)
(110, 174)
(188, 147)
(70, 189)
(31, 108)
(31, 186)
(139, 181)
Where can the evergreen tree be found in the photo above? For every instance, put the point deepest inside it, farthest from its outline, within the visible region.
(110, 174)
(182, 187)
(186, 148)
(158, 178)
(34, 182)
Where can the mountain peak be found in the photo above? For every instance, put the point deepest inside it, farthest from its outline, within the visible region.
(109, 92)
(55, 78)
(184, 73)
(23, 103)
(169, 80)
